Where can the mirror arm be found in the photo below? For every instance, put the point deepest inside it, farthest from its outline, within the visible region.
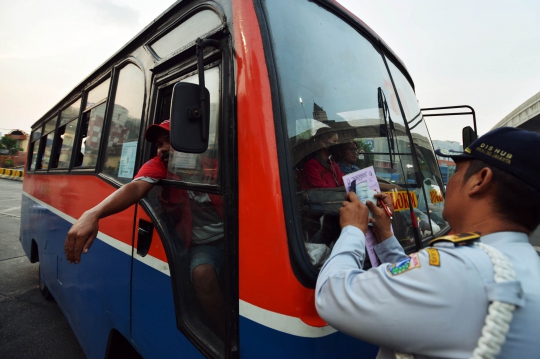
(201, 44)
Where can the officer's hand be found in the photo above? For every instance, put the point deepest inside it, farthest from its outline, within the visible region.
(80, 237)
(353, 213)
(381, 221)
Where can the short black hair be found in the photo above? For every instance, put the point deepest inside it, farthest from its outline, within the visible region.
(517, 201)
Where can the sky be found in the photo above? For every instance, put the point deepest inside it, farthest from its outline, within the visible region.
(461, 52)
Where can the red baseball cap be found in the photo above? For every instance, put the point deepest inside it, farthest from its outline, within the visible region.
(153, 130)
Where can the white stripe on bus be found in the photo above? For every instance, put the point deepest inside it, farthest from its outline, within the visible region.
(282, 323)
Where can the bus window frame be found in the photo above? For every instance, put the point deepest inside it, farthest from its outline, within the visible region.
(161, 62)
(78, 136)
(227, 188)
(43, 143)
(56, 135)
(115, 75)
(31, 146)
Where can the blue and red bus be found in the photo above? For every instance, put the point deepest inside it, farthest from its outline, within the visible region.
(279, 73)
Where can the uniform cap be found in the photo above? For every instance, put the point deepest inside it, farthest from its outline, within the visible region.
(153, 130)
(507, 148)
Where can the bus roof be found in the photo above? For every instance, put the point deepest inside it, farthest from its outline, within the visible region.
(146, 33)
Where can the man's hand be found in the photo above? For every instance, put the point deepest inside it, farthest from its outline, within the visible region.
(81, 236)
(83, 232)
(381, 222)
(353, 213)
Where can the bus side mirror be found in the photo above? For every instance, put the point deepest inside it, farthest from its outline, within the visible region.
(468, 136)
(190, 124)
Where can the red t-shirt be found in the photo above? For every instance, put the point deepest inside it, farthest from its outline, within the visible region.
(154, 168)
(316, 176)
(174, 198)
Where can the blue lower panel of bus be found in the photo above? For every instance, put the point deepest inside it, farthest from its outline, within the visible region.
(154, 329)
(96, 296)
(257, 341)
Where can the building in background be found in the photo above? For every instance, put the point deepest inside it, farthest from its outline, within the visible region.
(526, 116)
(18, 159)
(447, 166)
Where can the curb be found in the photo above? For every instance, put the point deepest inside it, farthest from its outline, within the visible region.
(15, 175)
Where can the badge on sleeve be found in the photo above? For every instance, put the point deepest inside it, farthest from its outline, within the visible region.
(434, 259)
(405, 265)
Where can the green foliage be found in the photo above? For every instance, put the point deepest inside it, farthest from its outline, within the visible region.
(363, 146)
(9, 144)
(9, 163)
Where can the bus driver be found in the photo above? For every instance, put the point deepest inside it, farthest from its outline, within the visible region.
(204, 234)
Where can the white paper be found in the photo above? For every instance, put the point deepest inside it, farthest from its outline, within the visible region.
(127, 159)
(185, 160)
(366, 187)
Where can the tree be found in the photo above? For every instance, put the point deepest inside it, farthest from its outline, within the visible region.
(9, 144)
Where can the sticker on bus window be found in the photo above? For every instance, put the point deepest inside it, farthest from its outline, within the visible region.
(185, 160)
(435, 196)
(400, 200)
(127, 159)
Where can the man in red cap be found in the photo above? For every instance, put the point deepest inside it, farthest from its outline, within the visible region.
(83, 232)
(204, 259)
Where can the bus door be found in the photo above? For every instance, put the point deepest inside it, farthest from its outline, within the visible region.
(180, 288)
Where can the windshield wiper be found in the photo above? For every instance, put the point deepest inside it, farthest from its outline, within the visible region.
(388, 129)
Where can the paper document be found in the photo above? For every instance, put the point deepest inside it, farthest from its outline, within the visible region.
(366, 187)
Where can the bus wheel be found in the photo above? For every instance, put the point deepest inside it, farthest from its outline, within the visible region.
(42, 287)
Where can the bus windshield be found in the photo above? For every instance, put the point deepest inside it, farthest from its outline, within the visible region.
(342, 114)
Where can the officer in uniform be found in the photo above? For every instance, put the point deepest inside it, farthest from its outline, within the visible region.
(434, 303)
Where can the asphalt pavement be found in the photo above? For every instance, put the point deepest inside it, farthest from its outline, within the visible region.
(31, 327)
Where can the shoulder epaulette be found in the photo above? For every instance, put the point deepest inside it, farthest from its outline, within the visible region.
(462, 239)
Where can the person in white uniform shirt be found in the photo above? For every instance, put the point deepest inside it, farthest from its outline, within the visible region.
(434, 303)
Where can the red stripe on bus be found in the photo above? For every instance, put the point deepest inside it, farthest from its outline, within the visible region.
(264, 264)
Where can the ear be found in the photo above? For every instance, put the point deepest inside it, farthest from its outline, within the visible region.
(480, 182)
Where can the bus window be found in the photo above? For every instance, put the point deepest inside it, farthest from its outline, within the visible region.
(430, 190)
(198, 25)
(194, 221)
(66, 135)
(92, 126)
(125, 125)
(34, 147)
(201, 168)
(47, 150)
(42, 148)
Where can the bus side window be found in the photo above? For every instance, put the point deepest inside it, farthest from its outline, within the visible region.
(65, 136)
(42, 147)
(92, 126)
(124, 126)
(34, 147)
(201, 168)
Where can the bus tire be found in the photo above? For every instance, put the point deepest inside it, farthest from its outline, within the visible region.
(42, 287)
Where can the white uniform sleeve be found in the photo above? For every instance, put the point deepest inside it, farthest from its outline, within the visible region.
(411, 306)
(390, 251)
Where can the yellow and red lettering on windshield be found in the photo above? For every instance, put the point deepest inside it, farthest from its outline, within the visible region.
(400, 200)
(436, 196)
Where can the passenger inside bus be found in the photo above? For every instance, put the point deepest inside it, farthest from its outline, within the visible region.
(196, 216)
(322, 171)
(347, 155)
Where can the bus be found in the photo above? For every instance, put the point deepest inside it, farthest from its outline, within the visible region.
(279, 76)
